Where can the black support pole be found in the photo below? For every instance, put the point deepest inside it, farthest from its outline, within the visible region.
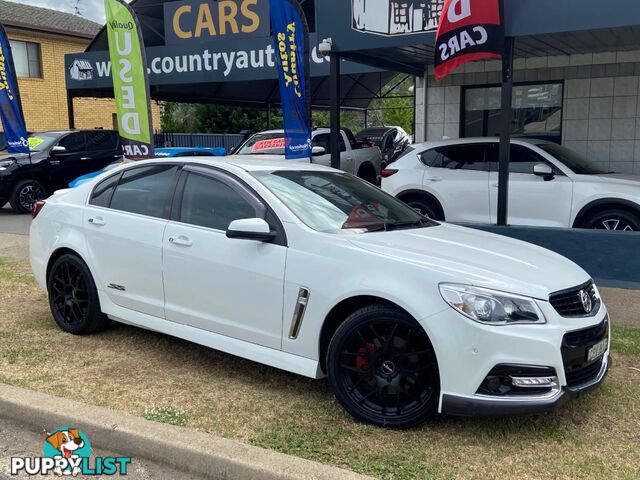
(505, 130)
(334, 116)
(70, 111)
(268, 116)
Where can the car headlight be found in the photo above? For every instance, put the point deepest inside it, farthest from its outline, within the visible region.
(491, 307)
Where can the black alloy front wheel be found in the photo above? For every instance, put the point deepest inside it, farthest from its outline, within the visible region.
(383, 369)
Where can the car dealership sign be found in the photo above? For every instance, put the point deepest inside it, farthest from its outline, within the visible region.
(204, 21)
(220, 60)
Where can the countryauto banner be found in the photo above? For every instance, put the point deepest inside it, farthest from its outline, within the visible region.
(468, 30)
(11, 114)
(130, 81)
(291, 39)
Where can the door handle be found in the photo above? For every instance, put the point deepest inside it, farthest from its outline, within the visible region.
(181, 241)
(97, 221)
(435, 179)
(86, 158)
(54, 162)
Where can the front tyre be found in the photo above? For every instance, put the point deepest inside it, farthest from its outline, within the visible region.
(73, 297)
(383, 369)
(423, 207)
(614, 219)
(25, 195)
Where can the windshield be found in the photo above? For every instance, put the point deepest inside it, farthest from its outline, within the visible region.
(264, 144)
(335, 202)
(373, 137)
(572, 160)
(42, 141)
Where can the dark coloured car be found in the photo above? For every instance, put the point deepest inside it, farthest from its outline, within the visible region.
(392, 141)
(56, 159)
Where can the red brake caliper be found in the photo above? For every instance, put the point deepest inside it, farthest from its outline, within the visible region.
(362, 362)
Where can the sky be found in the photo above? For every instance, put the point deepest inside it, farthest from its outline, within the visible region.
(91, 9)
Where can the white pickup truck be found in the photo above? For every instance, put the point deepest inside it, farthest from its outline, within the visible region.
(365, 162)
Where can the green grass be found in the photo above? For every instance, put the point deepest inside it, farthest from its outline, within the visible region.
(170, 415)
(625, 341)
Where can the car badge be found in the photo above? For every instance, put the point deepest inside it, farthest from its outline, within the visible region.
(587, 304)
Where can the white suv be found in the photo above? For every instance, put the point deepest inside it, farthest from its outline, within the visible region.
(549, 185)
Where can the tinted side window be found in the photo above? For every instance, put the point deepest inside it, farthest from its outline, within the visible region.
(145, 190)
(74, 142)
(465, 157)
(431, 158)
(523, 159)
(324, 140)
(102, 140)
(208, 202)
(102, 193)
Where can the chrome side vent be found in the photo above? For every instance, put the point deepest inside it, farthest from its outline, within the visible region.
(298, 313)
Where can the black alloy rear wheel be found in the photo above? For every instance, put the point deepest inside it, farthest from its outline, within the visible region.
(73, 297)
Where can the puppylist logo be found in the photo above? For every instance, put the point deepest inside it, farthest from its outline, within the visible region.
(67, 452)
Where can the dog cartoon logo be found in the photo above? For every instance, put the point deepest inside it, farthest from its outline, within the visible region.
(69, 444)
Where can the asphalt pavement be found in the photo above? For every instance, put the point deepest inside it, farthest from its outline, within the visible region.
(18, 441)
(13, 223)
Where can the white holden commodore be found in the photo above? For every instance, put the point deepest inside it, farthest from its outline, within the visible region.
(316, 272)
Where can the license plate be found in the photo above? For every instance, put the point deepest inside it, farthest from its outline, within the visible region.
(597, 350)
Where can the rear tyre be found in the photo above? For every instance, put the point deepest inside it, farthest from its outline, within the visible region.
(616, 220)
(25, 195)
(383, 369)
(424, 207)
(73, 297)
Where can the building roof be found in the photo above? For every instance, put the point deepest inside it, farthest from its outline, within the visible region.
(19, 15)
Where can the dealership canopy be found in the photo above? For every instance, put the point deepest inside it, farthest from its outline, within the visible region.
(205, 51)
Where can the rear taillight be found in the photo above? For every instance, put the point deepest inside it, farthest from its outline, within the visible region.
(37, 208)
(387, 172)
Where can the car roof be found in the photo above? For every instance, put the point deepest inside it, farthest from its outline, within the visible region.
(471, 140)
(251, 163)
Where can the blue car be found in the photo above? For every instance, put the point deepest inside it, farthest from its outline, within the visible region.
(172, 152)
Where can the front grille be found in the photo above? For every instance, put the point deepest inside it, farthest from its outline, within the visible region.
(580, 376)
(588, 336)
(575, 348)
(568, 303)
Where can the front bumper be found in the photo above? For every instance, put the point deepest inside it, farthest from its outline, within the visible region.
(481, 405)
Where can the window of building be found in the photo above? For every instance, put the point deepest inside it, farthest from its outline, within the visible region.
(537, 111)
(26, 56)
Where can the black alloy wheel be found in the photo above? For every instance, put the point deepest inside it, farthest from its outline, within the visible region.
(73, 297)
(424, 208)
(383, 369)
(25, 195)
(615, 220)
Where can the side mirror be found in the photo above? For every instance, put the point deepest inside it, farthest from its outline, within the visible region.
(58, 150)
(318, 151)
(543, 170)
(251, 229)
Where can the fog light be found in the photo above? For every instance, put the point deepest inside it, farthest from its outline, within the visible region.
(534, 382)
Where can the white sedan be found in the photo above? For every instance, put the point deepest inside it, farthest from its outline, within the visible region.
(549, 185)
(316, 272)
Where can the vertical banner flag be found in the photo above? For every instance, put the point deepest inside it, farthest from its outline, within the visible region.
(291, 39)
(11, 114)
(130, 80)
(468, 30)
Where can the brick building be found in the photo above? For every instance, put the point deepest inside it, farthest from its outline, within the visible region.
(40, 38)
